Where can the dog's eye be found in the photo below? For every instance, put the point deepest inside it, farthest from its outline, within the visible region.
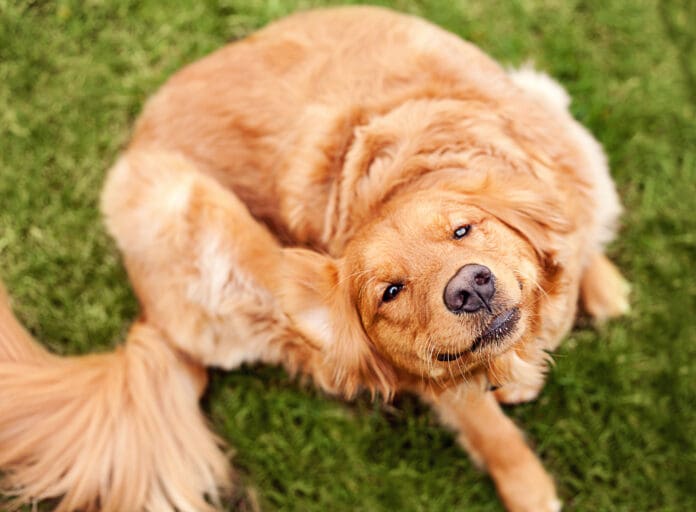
(461, 231)
(391, 292)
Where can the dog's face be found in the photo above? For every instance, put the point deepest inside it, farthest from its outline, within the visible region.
(441, 286)
(438, 282)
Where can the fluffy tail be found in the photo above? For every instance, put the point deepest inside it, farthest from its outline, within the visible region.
(15, 342)
(111, 432)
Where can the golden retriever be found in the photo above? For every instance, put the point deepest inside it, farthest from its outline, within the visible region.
(354, 194)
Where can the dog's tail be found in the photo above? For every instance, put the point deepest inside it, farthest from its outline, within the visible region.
(114, 432)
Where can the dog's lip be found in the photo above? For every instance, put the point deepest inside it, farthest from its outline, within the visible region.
(501, 325)
(446, 358)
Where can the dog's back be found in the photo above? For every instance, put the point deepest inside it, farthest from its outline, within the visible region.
(272, 116)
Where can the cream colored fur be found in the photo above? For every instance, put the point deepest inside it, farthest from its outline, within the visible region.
(109, 432)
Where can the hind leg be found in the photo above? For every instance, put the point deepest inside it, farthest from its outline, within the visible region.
(603, 290)
(219, 285)
(201, 265)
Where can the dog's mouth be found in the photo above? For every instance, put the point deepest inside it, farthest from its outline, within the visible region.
(500, 327)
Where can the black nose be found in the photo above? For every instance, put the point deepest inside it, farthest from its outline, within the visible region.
(470, 289)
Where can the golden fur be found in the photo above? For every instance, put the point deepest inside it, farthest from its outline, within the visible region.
(271, 193)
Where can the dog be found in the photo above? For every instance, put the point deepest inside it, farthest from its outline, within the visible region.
(357, 195)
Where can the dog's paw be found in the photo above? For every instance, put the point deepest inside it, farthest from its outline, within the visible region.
(515, 393)
(604, 290)
(534, 501)
(529, 489)
(552, 505)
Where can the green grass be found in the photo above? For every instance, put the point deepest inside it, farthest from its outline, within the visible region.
(616, 423)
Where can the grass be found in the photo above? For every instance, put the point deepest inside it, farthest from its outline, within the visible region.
(616, 423)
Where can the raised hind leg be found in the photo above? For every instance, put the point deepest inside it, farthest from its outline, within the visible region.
(122, 430)
(201, 265)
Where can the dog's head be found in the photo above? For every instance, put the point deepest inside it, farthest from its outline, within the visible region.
(442, 281)
(442, 286)
(445, 245)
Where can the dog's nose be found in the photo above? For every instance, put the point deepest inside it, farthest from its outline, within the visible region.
(470, 289)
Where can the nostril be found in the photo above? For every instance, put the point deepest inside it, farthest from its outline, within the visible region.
(482, 278)
(463, 299)
(457, 300)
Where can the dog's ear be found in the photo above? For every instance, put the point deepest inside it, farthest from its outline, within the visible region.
(315, 294)
(526, 207)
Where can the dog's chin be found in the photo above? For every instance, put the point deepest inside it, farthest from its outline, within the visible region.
(498, 336)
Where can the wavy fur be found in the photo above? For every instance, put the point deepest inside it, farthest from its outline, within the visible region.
(112, 432)
(271, 193)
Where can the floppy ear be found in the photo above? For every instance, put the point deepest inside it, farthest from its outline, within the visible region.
(316, 296)
(537, 213)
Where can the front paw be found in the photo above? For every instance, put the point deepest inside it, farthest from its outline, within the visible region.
(528, 489)
(516, 393)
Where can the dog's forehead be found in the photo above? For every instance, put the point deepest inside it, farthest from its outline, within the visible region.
(423, 203)
(430, 215)
(384, 253)
(423, 211)
(410, 232)
(394, 247)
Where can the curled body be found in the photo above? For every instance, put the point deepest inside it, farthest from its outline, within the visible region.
(367, 199)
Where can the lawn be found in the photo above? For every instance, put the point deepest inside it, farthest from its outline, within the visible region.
(616, 424)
